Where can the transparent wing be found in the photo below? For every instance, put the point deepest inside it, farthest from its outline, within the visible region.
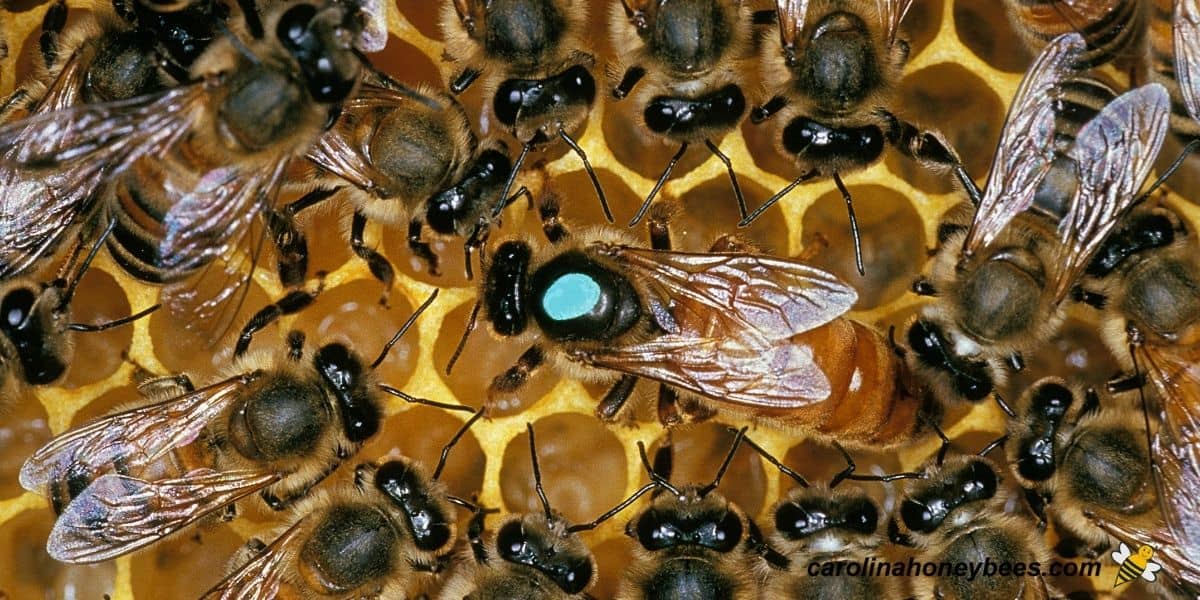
(1026, 144)
(116, 514)
(337, 151)
(1187, 53)
(891, 14)
(732, 320)
(259, 578)
(1114, 153)
(136, 437)
(792, 14)
(54, 162)
(209, 234)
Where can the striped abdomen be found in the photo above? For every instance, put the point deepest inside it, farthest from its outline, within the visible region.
(1110, 27)
(1161, 67)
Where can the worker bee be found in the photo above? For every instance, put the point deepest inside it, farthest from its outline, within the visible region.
(412, 159)
(823, 525)
(688, 62)
(220, 145)
(1001, 275)
(691, 541)
(360, 540)
(833, 71)
(538, 71)
(956, 514)
(599, 308)
(277, 426)
(1145, 282)
(35, 332)
(1111, 28)
(531, 555)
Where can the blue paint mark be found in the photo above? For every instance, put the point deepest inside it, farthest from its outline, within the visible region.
(570, 296)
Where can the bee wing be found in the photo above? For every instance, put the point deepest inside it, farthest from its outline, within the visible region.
(1114, 153)
(733, 320)
(1176, 378)
(1121, 554)
(135, 437)
(1187, 53)
(209, 234)
(116, 514)
(336, 152)
(1026, 145)
(791, 15)
(1151, 569)
(259, 578)
(56, 160)
(891, 14)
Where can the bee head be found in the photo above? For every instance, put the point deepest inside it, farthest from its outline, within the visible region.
(321, 39)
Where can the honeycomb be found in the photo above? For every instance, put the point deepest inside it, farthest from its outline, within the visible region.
(964, 67)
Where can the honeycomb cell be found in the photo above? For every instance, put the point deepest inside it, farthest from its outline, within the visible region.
(351, 314)
(109, 402)
(642, 151)
(984, 28)
(954, 101)
(1076, 353)
(922, 24)
(403, 60)
(23, 429)
(419, 434)
(582, 465)
(188, 564)
(577, 198)
(612, 559)
(709, 211)
(418, 14)
(819, 463)
(326, 227)
(760, 140)
(99, 299)
(28, 572)
(182, 346)
(697, 455)
(483, 358)
(893, 241)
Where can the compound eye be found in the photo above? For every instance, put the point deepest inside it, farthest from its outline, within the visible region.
(980, 481)
(794, 521)
(728, 533)
(509, 99)
(495, 166)
(578, 83)
(920, 518)
(651, 532)
(862, 517)
(513, 544)
(292, 29)
(576, 578)
(16, 307)
(1052, 399)
(660, 116)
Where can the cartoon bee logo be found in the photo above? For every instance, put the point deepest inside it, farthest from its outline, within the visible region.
(1134, 564)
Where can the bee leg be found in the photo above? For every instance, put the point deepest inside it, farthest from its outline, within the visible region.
(1016, 362)
(295, 301)
(759, 546)
(930, 148)
(463, 80)
(668, 407)
(52, 25)
(250, 15)
(162, 388)
(662, 180)
(659, 228)
(552, 226)
(761, 113)
(380, 268)
(1037, 505)
(290, 243)
(421, 249)
(278, 503)
(12, 102)
(517, 375)
(631, 78)
(591, 173)
(614, 399)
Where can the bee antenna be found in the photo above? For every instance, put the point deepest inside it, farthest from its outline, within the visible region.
(401, 394)
(537, 474)
(655, 478)
(467, 504)
(462, 342)
(587, 166)
(612, 512)
(1135, 340)
(69, 293)
(662, 180)
(996, 443)
(798, 478)
(1191, 147)
(787, 189)
(404, 328)
(858, 259)
(92, 328)
(1004, 405)
(737, 441)
(252, 21)
(502, 201)
(437, 472)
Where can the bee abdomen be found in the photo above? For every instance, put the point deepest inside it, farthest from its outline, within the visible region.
(1115, 27)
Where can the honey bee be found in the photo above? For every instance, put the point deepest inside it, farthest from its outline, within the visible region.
(823, 525)
(956, 514)
(691, 541)
(689, 58)
(1111, 28)
(597, 307)
(1173, 60)
(278, 425)
(1001, 275)
(364, 540)
(833, 71)
(538, 72)
(36, 344)
(412, 159)
(531, 555)
(1146, 280)
(220, 144)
